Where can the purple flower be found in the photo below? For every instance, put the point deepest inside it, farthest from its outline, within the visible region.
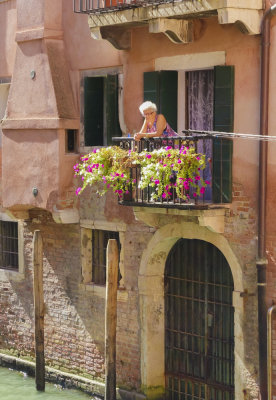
(84, 159)
(164, 195)
(179, 161)
(156, 181)
(168, 147)
(198, 158)
(120, 191)
(78, 190)
(148, 155)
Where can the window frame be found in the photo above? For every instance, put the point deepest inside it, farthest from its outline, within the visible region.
(103, 72)
(19, 273)
(87, 228)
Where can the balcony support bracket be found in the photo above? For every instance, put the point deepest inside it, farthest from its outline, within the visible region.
(177, 30)
(247, 20)
(119, 37)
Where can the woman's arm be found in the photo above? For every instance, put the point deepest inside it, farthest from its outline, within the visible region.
(160, 127)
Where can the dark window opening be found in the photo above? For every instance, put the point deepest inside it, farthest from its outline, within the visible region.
(9, 245)
(71, 140)
(100, 240)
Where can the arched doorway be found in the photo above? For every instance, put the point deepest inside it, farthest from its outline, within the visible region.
(199, 323)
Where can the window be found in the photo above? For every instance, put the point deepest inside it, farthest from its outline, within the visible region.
(93, 253)
(100, 110)
(100, 240)
(9, 245)
(209, 105)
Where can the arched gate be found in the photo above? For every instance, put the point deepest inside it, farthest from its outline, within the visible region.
(199, 323)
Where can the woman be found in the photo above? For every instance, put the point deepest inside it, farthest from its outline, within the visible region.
(154, 124)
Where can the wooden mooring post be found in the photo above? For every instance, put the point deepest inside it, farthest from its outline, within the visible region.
(112, 266)
(39, 311)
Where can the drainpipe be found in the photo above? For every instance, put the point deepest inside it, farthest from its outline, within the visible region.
(261, 261)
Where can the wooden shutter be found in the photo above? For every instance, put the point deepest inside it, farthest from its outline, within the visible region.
(160, 87)
(111, 108)
(93, 111)
(168, 96)
(223, 121)
(151, 87)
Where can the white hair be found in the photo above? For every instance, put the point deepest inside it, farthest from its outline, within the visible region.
(147, 105)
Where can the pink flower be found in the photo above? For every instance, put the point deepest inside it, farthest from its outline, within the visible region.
(84, 159)
(164, 195)
(156, 181)
(168, 147)
(78, 190)
(207, 182)
(179, 161)
(202, 190)
(198, 158)
(194, 194)
(148, 155)
(197, 177)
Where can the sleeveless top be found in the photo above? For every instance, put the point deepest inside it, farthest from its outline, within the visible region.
(168, 131)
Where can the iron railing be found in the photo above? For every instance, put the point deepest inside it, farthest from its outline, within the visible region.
(94, 6)
(143, 197)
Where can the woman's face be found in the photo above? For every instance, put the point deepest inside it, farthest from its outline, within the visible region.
(149, 113)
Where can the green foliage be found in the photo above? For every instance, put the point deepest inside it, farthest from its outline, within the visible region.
(166, 170)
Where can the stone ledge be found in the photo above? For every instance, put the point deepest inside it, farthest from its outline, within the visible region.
(37, 34)
(213, 219)
(39, 123)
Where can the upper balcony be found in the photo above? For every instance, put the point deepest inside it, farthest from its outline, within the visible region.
(111, 19)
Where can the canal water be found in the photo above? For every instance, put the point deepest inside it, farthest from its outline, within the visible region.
(15, 385)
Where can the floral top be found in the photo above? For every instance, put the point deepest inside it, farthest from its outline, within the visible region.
(168, 131)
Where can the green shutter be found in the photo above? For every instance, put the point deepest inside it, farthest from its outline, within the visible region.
(111, 108)
(223, 121)
(168, 96)
(93, 111)
(160, 87)
(151, 87)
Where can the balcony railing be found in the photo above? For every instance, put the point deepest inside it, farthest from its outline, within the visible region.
(94, 6)
(213, 196)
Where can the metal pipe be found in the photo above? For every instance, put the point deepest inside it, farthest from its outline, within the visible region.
(269, 350)
(261, 262)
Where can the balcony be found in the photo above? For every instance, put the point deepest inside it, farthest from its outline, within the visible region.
(218, 157)
(112, 19)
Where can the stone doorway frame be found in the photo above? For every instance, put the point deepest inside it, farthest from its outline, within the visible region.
(151, 301)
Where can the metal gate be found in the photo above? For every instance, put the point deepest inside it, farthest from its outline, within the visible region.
(199, 323)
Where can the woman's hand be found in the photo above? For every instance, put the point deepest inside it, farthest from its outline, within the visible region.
(139, 136)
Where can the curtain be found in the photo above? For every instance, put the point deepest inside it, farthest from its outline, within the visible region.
(200, 93)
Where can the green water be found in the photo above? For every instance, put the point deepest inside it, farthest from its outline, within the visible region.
(15, 385)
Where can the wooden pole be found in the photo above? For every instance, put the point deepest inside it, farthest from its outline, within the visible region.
(39, 311)
(112, 265)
